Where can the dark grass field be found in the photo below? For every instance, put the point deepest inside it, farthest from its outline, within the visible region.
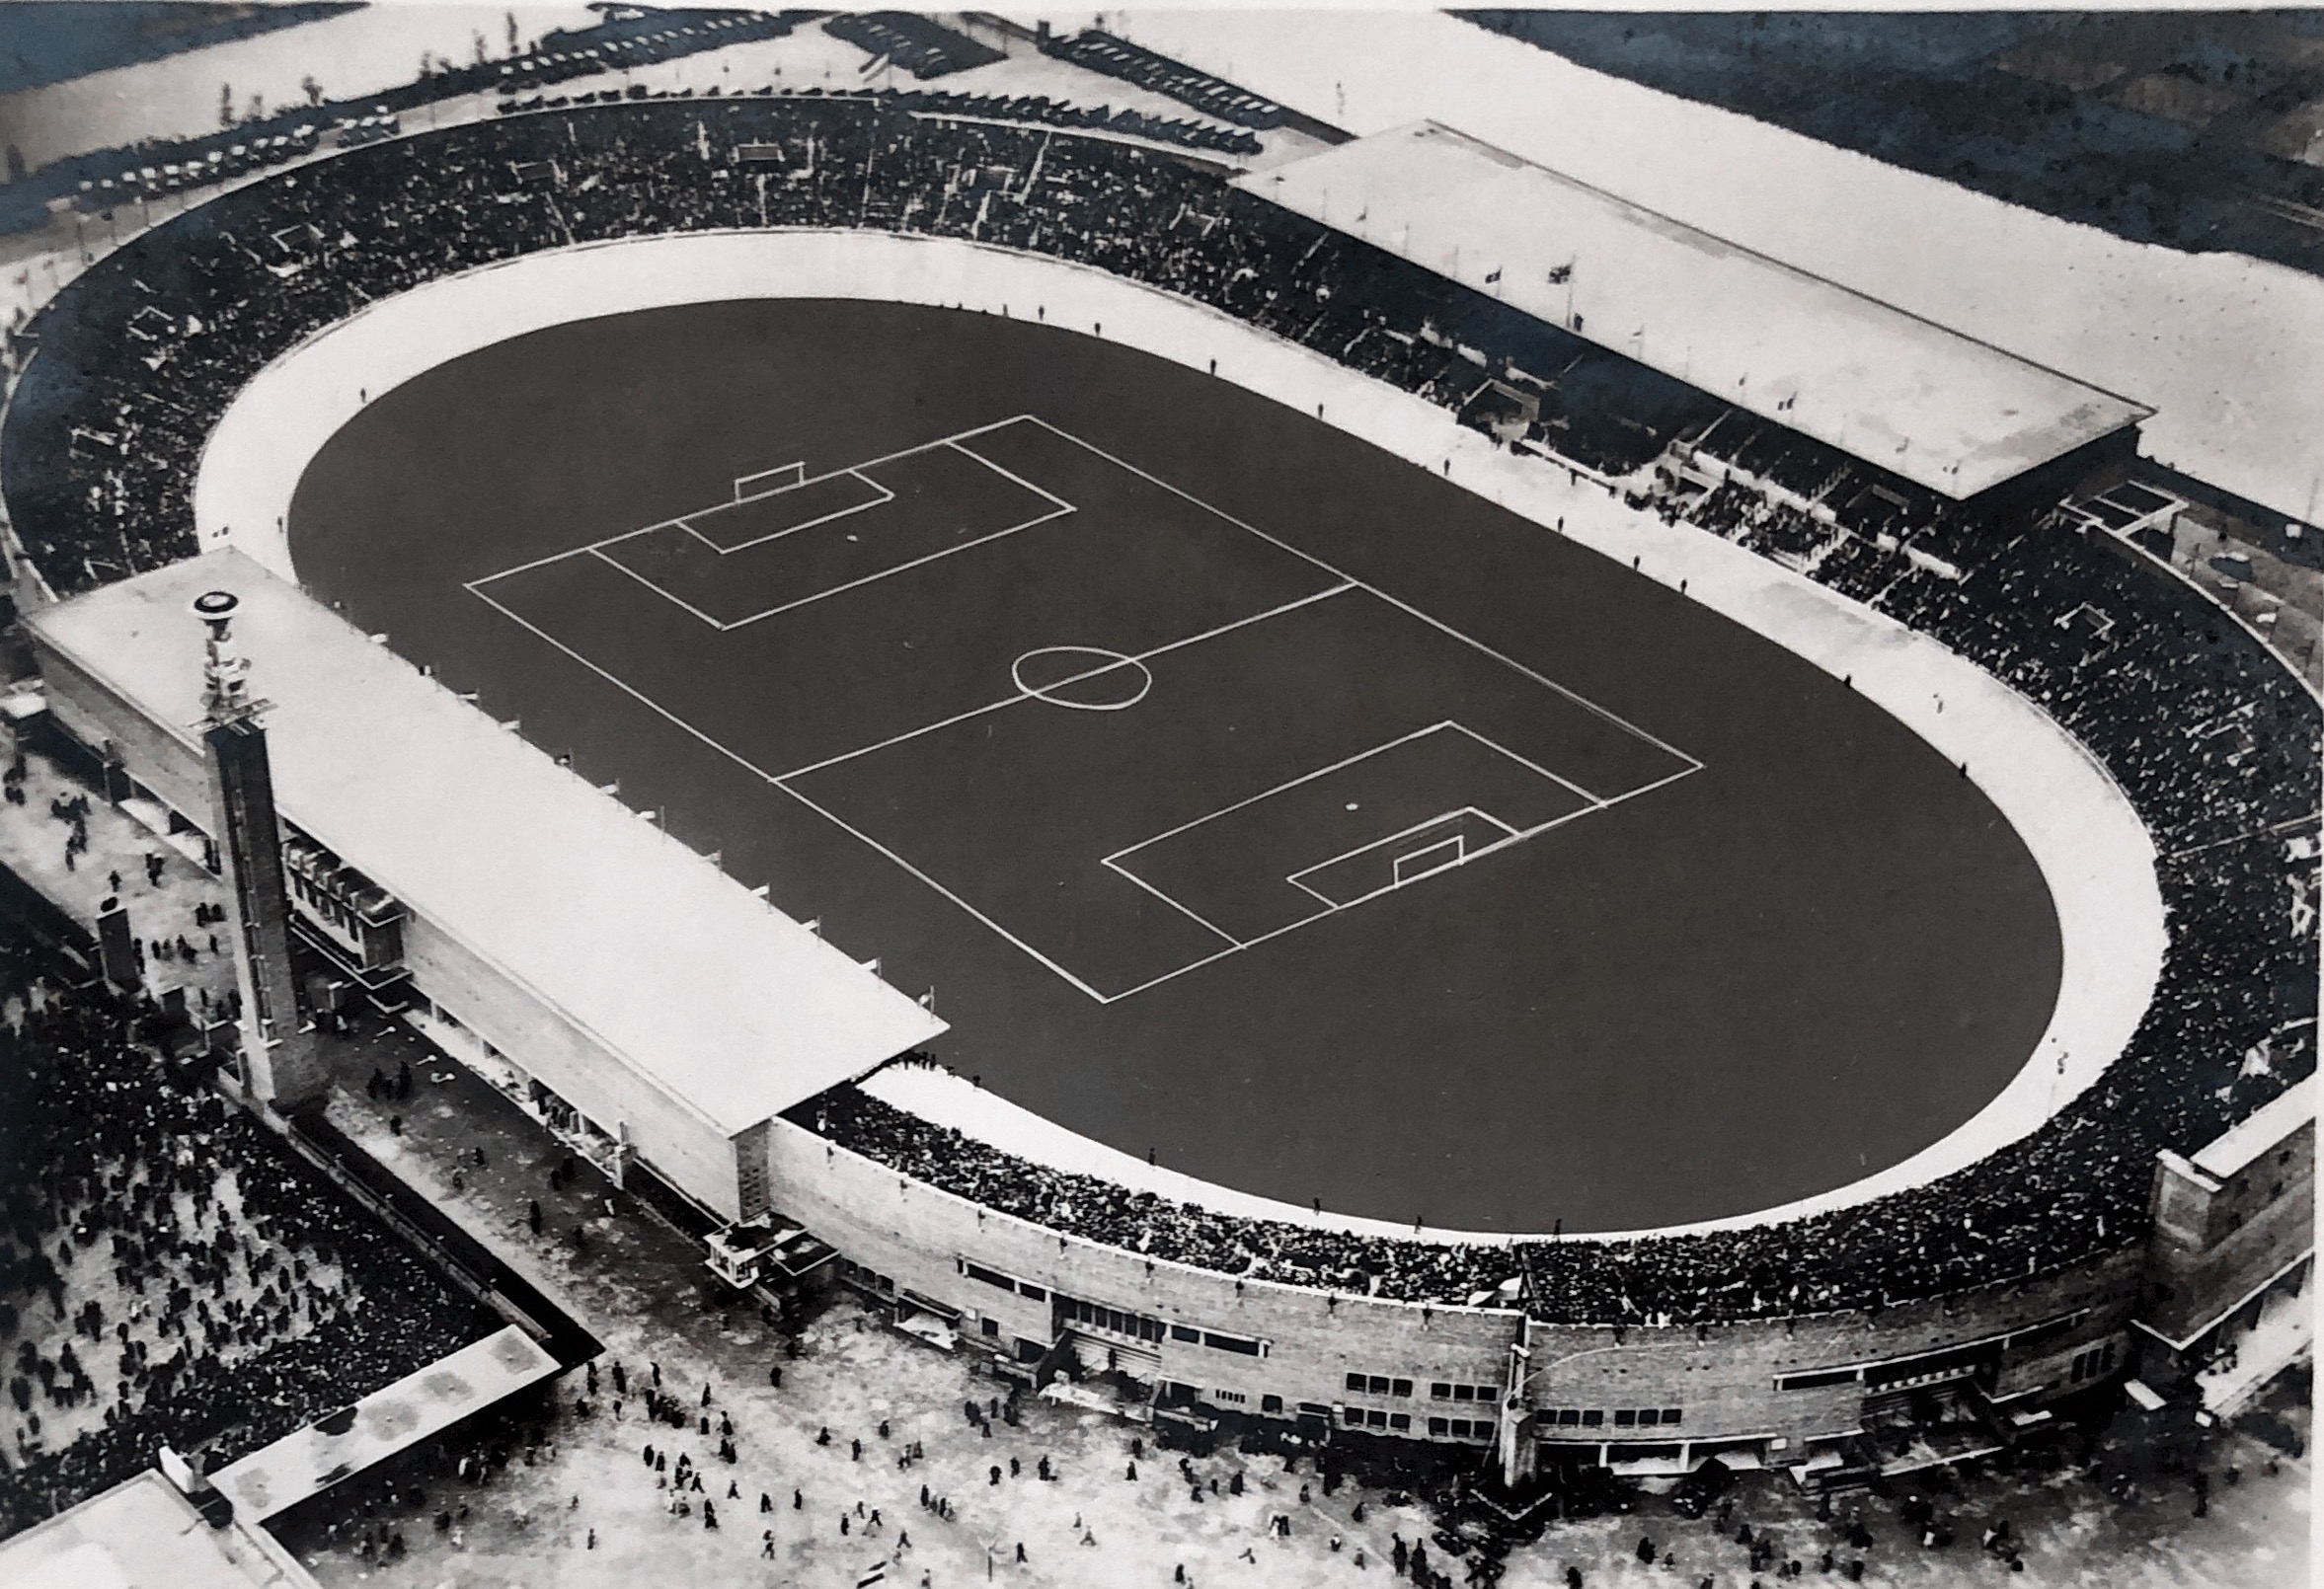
(1356, 840)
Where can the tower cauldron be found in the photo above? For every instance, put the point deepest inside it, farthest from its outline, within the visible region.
(279, 1066)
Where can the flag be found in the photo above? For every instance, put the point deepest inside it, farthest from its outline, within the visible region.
(1493, 275)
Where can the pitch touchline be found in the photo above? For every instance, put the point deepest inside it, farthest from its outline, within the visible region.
(745, 761)
(1269, 793)
(1123, 871)
(876, 847)
(1543, 680)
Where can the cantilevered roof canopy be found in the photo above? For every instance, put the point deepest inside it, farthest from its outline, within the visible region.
(720, 1001)
(1944, 411)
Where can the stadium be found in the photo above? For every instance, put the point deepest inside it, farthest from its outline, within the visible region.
(1384, 793)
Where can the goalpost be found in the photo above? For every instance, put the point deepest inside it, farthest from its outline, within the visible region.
(1431, 858)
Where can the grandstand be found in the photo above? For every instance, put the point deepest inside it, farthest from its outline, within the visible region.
(1996, 1280)
(618, 970)
(1905, 397)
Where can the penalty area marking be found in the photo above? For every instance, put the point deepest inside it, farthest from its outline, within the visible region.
(679, 522)
(1400, 878)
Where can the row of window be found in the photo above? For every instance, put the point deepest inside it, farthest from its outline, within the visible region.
(1463, 1393)
(1439, 1391)
(1374, 1418)
(1595, 1417)
(1142, 1327)
(993, 1277)
(1951, 1362)
(1113, 1319)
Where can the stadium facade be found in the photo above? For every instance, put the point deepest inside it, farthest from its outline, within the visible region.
(432, 817)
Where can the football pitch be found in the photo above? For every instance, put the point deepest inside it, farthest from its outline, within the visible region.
(1165, 738)
(1240, 794)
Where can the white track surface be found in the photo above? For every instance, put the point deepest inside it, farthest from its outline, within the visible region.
(2093, 853)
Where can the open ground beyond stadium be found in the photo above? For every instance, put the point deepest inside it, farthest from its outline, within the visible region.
(1675, 924)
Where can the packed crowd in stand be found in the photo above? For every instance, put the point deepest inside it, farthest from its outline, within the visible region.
(100, 178)
(167, 1271)
(2212, 740)
(1023, 109)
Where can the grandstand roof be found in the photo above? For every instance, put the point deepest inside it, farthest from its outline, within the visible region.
(1941, 410)
(308, 1461)
(724, 1003)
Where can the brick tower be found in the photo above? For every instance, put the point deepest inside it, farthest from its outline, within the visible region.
(279, 1065)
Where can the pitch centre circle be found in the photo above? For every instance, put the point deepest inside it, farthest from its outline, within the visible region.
(1082, 678)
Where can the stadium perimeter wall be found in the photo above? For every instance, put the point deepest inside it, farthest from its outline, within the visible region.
(918, 1240)
(2095, 856)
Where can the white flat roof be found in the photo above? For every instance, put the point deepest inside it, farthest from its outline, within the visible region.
(720, 1001)
(2229, 1153)
(142, 1534)
(1941, 410)
(309, 1461)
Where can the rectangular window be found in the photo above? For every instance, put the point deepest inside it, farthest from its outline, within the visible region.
(1669, 1415)
(1377, 1384)
(992, 1329)
(1438, 1426)
(1568, 1417)
(989, 1276)
(1464, 1392)
(1375, 1419)
(1233, 1343)
(1182, 1332)
(1814, 1377)
(1356, 1382)
(1270, 1403)
(1591, 1418)
(1400, 1422)
(1230, 1397)
(1401, 1388)
(1624, 1417)
(1034, 1291)
(1439, 1391)
(1351, 1416)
